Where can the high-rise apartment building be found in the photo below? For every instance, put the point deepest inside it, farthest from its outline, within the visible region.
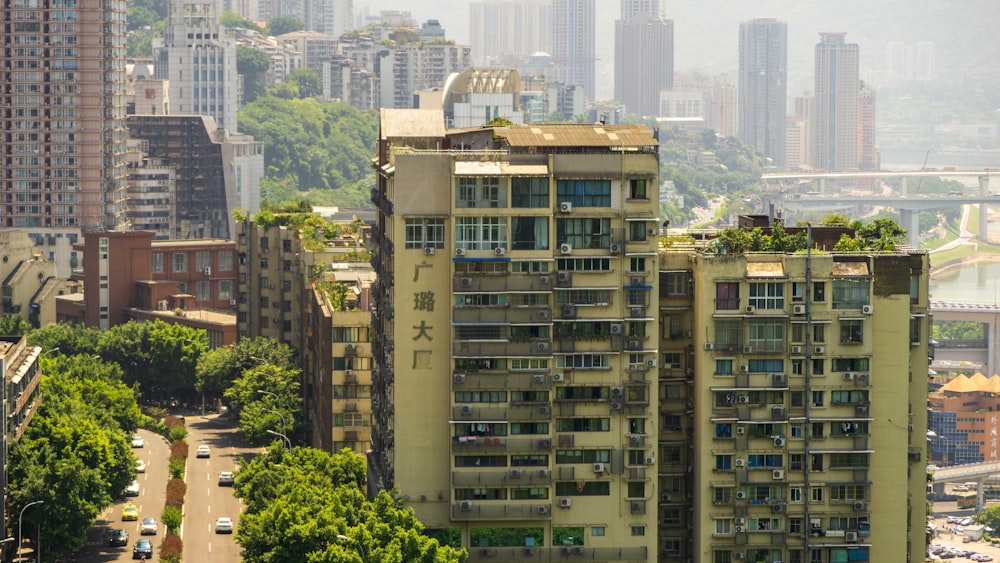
(868, 158)
(515, 337)
(333, 17)
(198, 57)
(632, 9)
(763, 86)
(574, 43)
(834, 125)
(409, 68)
(644, 60)
(507, 31)
(64, 120)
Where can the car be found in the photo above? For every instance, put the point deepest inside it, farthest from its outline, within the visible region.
(984, 557)
(137, 441)
(226, 479)
(132, 490)
(954, 519)
(140, 466)
(965, 521)
(224, 526)
(148, 527)
(130, 512)
(203, 451)
(117, 538)
(142, 548)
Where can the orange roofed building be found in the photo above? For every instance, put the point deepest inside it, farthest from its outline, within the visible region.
(964, 420)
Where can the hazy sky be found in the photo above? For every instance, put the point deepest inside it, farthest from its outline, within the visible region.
(966, 33)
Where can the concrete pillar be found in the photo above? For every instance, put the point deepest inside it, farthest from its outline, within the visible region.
(984, 225)
(911, 222)
(984, 185)
(822, 185)
(992, 329)
(902, 185)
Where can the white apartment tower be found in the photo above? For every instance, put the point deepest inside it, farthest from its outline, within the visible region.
(573, 43)
(644, 57)
(834, 125)
(763, 86)
(504, 31)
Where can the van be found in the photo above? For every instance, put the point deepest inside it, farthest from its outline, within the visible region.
(960, 489)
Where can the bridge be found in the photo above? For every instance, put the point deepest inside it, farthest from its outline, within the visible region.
(967, 473)
(908, 205)
(985, 350)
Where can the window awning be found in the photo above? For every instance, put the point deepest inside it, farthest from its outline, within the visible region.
(765, 270)
(850, 269)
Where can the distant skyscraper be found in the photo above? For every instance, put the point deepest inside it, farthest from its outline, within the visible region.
(635, 8)
(834, 126)
(644, 58)
(763, 86)
(333, 17)
(909, 62)
(199, 60)
(867, 147)
(63, 147)
(574, 42)
(504, 31)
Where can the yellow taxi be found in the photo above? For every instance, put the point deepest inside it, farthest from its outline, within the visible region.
(130, 512)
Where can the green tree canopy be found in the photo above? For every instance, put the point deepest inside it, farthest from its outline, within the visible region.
(284, 24)
(229, 18)
(161, 356)
(66, 339)
(308, 82)
(266, 398)
(219, 368)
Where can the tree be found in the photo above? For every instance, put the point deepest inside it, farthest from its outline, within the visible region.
(229, 18)
(139, 44)
(219, 368)
(990, 516)
(252, 64)
(69, 339)
(308, 82)
(14, 325)
(160, 356)
(284, 24)
(279, 408)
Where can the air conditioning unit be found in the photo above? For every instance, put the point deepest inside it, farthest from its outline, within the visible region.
(566, 248)
(617, 391)
(545, 409)
(744, 368)
(465, 282)
(858, 505)
(566, 206)
(867, 309)
(349, 347)
(778, 380)
(565, 502)
(779, 441)
(776, 508)
(651, 363)
(465, 505)
(861, 410)
(616, 405)
(798, 309)
(161, 305)
(638, 280)
(851, 536)
(544, 280)
(650, 460)
(208, 270)
(777, 413)
(569, 311)
(616, 248)
(542, 509)
(740, 529)
(796, 349)
(635, 440)
(637, 311)
(635, 345)
(743, 399)
(709, 346)
(741, 494)
(638, 507)
(564, 277)
(750, 309)
(543, 346)
(515, 473)
(458, 378)
(558, 377)
(544, 444)
(740, 462)
(499, 251)
(545, 473)
(848, 376)
(232, 302)
(616, 328)
(861, 378)
(748, 349)
(599, 468)
(665, 497)
(819, 350)
(428, 250)
(741, 430)
(539, 379)
(778, 474)
(459, 252)
(543, 315)
(466, 409)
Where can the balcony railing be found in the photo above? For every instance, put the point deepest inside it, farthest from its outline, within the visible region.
(561, 553)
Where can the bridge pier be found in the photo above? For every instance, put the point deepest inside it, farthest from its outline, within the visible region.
(902, 185)
(911, 222)
(984, 185)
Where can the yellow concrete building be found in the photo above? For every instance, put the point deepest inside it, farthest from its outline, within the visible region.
(793, 403)
(515, 341)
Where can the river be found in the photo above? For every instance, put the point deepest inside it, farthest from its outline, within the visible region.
(971, 283)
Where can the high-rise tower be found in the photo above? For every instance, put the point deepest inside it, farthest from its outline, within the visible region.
(505, 31)
(574, 42)
(834, 126)
(763, 86)
(64, 124)
(644, 57)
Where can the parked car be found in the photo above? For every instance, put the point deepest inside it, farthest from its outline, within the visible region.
(224, 526)
(148, 527)
(140, 466)
(130, 512)
(203, 451)
(142, 548)
(117, 538)
(137, 441)
(226, 479)
(132, 490)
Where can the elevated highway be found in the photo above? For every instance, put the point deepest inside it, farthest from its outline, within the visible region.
(967, 473)
(986, 350)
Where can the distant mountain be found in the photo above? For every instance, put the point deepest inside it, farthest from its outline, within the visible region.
(965, 32)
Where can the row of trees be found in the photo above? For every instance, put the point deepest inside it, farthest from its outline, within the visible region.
(880, 235)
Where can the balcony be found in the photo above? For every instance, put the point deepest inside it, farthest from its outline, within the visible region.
(498, 510)
(466, 349)
(499, 381)
(514, 477)
(513, 412)
(500, 444)
(480, 283)
(563, 553)
(496, 315)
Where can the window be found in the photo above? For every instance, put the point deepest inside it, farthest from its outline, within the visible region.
(818, 365)
(795, 495)
(529, 460)
(532, 493)
(848, 493)
(179, 262)
(722, 556)
(597, 531)
(583, 424)
(816, 494)
(816, 464)
(529, 192)
(722, 495)
(766, 461)
(816, 429)
(723, 367)
(724, 526)
(768, 295)
(584, 233)
(727, 335)
(584, 193)
(584, 264)
(773, 365)
(915, 323)
(674, 284)
(583, 456)
(819, 292)
(849, 428)
(158, 263)
(529, 233)
(485, 192)
(637, 189)
(203, 290)
(481, 461)
(225, 290)
(727, 296)
(584, 297)
(224, 259)
(584, 361)
(480, 233)
(723, 462)
(635, 489)
(421, 233)
(480, 494)
(529, 428)
(817, 398)
(849, 460)
(589, 488)
(850, 294)
(638, 530)
(848, 397)
(530, 267)
(637, 265)
(766, 335)
(672, 360)
(798, 292)
(849, 364)
(636, 231)
(480, 396)
(202, 260)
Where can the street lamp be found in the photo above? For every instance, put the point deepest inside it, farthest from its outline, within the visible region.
(46, 353)
(20, 520)
(361, 550)
(288, 443)
(272, 411)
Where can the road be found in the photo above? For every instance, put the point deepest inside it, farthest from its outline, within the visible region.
(152, 496)
(206, 501)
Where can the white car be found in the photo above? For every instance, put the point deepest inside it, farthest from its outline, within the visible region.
(132, 490)
(140, 466)
(137, 441)
(224, 526)
(148, 527)
(203, 451)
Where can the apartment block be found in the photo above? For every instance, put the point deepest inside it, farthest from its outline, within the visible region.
(763, 85)
(22, 396)
(834, 125)
(793, 405)
(515, 340)
(27, 279)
